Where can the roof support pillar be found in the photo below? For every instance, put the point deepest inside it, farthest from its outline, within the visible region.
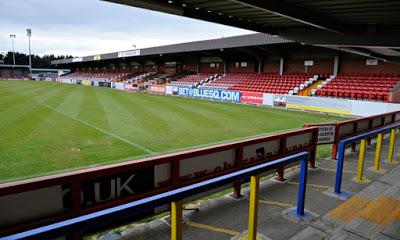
(260, 64)
(225, 67)
(336, 65)
(281, 66)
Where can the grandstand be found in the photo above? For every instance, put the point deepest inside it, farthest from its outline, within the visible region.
(14, 72)
(256, 63)
(90, 76)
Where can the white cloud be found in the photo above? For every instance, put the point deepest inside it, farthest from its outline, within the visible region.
(89, 27)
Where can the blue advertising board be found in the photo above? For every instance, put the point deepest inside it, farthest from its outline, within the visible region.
(212, 94)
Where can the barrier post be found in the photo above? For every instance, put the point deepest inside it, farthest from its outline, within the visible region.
(313, 156)
(237, 186)
(176, 220)
(353, 147)
(360, 164)
(391, 146)
(302, 187)
(337, 192)
(280, 174)
(253, 209)
(378, 154)
(334, 151)
(339, 170)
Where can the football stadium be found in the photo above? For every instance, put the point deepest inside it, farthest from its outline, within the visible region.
(287, 133)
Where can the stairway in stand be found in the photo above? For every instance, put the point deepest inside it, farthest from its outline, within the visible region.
(307, 91)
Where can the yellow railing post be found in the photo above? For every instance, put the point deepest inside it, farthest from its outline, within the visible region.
(253, 209)
(360, 166)
(176, 220)
(391, 146)
(378, 154)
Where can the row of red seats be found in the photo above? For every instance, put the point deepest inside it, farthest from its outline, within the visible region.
(356, 88)
(262, 89)
(380, 96)
(360, 86)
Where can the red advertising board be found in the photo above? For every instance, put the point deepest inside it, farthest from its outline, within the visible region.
(157, 89)
(251, 97)
(131, 88)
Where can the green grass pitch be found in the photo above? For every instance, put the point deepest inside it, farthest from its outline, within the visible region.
(48, 127)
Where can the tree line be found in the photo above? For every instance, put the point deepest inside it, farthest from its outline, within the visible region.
(37, 61)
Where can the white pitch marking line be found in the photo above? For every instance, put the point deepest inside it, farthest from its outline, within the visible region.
(102, 130)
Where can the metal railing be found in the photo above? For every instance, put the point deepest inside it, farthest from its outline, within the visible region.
(360, 165)
(112, 216)
(354, 127)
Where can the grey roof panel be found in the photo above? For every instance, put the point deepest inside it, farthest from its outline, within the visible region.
(228, 42)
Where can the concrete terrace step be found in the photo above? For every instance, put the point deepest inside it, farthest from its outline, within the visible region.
(374, 213)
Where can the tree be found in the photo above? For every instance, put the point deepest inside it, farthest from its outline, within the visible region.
(37, 61)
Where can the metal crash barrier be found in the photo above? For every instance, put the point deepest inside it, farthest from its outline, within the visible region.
(114, 215)
(333, 133)
(34, 203)
(360, 165)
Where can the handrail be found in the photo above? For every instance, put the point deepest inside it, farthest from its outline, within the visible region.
(353, 127)
(112, 215)
(353, 139)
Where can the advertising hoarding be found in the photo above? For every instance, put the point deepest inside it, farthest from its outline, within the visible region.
(329, 105)
(251, 97)
(131, 53)
(157, 89)
(220, 95)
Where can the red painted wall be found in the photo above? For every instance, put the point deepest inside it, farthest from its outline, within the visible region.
(321, 65)
(205, 68)
(170, 70)
(161, 68)
(271, 65)
(149, 68)
(190, 67)
(135, 69)
(249, 69)
(294, 66)
(324, 66)
(357, 65)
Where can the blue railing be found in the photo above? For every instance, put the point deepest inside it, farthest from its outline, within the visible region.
(341, 153)
(112, 216)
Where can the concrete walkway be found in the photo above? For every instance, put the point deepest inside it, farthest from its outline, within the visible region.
(373, 212)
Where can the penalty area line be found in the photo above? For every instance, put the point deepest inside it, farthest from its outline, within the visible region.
(102, 130)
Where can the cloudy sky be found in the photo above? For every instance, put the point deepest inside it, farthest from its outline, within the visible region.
(85, 27)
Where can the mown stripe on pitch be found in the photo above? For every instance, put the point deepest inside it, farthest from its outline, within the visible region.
(103, 131)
